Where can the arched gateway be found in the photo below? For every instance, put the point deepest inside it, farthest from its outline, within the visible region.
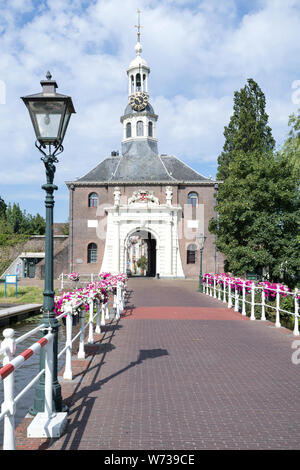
(140, 253)
(143, 215)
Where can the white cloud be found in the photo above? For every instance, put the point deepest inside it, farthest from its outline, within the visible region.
(199, 52)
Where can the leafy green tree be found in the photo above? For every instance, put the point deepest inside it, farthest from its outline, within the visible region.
(3, 208)
(258, 207)
(258, 202)
(37, 225)
(24, 223)
(291, 146)
(15, 217)
(142, 262)
(247, 130)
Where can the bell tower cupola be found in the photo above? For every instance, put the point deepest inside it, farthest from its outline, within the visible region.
(139, 119)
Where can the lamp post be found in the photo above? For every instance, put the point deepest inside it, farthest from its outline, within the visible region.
(201, 240)
(50, 113)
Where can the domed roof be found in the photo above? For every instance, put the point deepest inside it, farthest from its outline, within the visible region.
(138, 61)
(130, 110)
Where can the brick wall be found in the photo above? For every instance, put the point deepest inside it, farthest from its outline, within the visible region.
(83, 235)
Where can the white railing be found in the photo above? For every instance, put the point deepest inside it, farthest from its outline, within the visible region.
(235, 294)
(98, 311)
(65, 281)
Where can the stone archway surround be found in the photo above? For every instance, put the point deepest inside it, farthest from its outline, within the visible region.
(161, 220)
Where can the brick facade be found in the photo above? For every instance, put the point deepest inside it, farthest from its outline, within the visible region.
(84, 235)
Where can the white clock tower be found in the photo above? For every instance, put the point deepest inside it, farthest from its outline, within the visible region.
(139, 119)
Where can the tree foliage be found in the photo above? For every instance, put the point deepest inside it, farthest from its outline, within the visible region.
(247, 130)
(16, 225)
(258, 201)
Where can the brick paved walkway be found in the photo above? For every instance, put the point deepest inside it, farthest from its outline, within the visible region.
(181, 371)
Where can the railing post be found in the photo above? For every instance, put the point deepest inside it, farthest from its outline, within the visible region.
(81, 352)
(206, 286)
(236, 299)
(219, 290)
(229, 295)
(122, 297)
(277, 322)
(244, 299)
(68, 366)
(263, 302)
(224, 291)
(91, 325)
(8, 385)
(106, 311)
(252, 316)
(118, 302)
(215, 292)
(49, 378)
(115, 298)
(296, 323)
(102, 321)
(98, 327)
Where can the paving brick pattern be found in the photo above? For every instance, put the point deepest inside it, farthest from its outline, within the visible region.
(183, 382)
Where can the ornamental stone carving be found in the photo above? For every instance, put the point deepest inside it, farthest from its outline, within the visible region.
(169, 195)
(117, 196)
(143, 196)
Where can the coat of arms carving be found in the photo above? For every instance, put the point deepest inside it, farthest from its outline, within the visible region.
(143, 196)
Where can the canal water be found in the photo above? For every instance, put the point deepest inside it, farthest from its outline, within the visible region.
(30, 368)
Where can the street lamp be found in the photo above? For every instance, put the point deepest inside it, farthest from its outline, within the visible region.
(201, 240)
(50, 113)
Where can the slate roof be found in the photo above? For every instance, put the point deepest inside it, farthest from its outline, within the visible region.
(141, 163)
(130, 110)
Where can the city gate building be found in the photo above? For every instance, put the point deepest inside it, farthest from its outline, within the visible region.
(140, 205)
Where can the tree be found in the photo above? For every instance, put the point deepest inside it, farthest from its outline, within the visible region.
(24, 223)
(247, 130)
(258, 207)
(258, 202)
(37, 225)
(142, 263)
(291, 146)
(3, 208)
(15, 217)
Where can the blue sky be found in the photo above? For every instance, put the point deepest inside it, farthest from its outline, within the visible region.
(199, 53)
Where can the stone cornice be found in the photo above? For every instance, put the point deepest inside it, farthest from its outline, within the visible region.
(140, 113)
(141, 183)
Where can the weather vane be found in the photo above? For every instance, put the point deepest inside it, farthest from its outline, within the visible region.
(138, 26)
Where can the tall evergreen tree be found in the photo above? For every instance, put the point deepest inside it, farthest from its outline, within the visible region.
(3, 208)
(258, 202)
(248, 128)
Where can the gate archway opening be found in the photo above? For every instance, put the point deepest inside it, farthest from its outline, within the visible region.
(141, 254)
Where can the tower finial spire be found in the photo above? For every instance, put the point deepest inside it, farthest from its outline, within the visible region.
(138, 26)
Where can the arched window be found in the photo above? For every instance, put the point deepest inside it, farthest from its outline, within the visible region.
(92, 253)
(193, 199)
(150, 129)
(138, 82)
(132, 83)
(128, 129)
(191, 254)
(139, 128)
(93, 200)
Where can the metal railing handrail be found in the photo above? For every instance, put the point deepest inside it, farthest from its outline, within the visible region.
(234, 299)
(11, 363)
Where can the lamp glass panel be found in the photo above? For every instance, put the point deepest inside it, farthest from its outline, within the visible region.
(65, 123)
(47, 117)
